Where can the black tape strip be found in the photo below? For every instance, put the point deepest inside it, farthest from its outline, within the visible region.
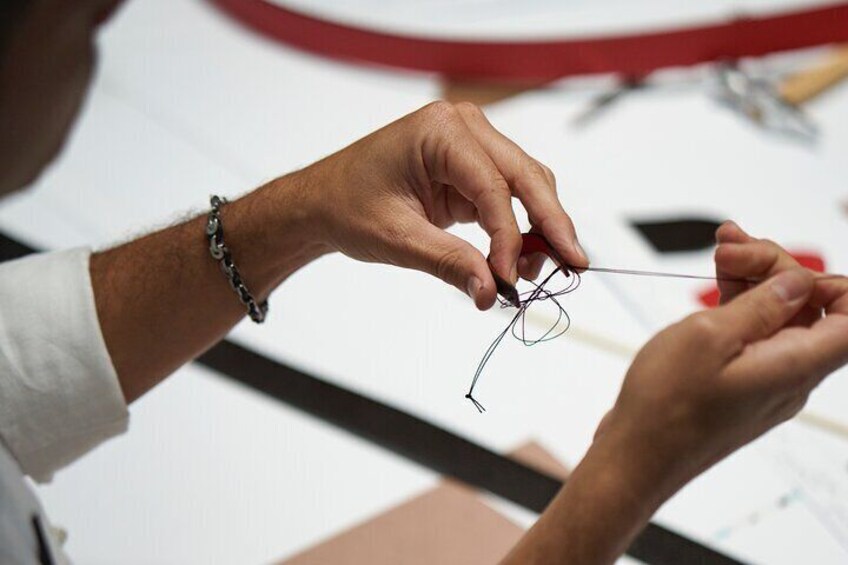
(672, 235)
(417, 440)
(429, 445)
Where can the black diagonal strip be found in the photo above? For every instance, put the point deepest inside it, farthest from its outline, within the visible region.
(417, 440)
(671, 235)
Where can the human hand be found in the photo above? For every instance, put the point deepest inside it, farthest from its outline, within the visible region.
(389, 197)
(704, 387)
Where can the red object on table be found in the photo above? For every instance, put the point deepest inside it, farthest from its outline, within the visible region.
(813, 261)
(635, 54)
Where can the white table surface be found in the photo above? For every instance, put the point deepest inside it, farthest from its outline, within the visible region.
(187, 104)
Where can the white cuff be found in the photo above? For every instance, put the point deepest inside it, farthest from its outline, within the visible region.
(59, 393)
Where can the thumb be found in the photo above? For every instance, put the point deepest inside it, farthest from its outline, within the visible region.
(602, 427)
(451, 259)
(765, 309)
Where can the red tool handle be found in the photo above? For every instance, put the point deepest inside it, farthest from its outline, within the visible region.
(535, 243)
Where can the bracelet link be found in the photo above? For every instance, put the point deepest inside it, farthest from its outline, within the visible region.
(217, 250)
(221, 253)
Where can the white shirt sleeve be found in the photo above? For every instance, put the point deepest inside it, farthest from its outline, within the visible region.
(59, 393)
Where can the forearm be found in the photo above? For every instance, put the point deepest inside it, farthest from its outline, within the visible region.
(606, 502)
(162, 300)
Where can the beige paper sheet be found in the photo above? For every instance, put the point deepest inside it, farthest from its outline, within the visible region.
(448, 524)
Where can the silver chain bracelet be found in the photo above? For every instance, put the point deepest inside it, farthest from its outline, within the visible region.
(221, 253)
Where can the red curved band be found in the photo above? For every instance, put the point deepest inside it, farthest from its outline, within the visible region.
(634, 55)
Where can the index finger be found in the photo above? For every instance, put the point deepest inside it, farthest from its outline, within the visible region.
(452, 156)
(762, 311)
(801, 356)
(729, 232)
(761, 258)
(531, 182)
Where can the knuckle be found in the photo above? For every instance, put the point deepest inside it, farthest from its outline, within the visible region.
(449, 264)
(469, 109)
(533, 169)
(514, 241)
(768, 244)
(531, 175)
(549, 174)
(706, 332)
(700, 325)
(500, 187)
(771, 250)
(797, 362)
(762, 318)
(506, 241)
(497, 190)
(440, 111)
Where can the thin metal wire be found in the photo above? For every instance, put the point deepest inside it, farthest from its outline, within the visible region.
(640, 273)
(539, 293)
(517, 325)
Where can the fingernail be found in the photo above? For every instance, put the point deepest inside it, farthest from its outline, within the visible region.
(474, 286)
(791, 285)
(580, 251)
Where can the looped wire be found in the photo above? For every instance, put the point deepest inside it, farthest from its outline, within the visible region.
(517, 326)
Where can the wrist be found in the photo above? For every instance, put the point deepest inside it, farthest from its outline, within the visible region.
(274, 231)
(614, 491)
(635, 478)
(650, 465)
(303, 199)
